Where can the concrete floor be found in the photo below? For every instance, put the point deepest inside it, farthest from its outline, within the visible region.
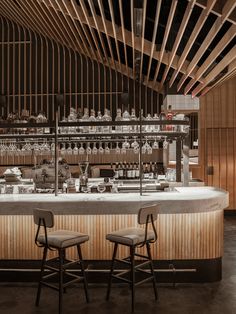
(219, 297)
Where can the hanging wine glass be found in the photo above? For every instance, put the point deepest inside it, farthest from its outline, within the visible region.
(81, 149)
(126, 144)
(155, 144)
(135, 143)
(88, 149)
(165, 144)
(100, 149)
(75, 150)
(63, 149)
(69, 150)
(107, 149)
(94, 150)
(117, 149)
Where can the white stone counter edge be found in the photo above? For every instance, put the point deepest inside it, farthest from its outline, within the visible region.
(183, 200)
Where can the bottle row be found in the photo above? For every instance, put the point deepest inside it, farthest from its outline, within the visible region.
(77, 116)
(126, 171)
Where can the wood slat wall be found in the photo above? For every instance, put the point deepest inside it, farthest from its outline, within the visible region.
(182, 236)
(34, 68)
(218, 138)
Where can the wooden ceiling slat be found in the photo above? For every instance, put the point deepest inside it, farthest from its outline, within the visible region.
(103, 26)
(208, 39)
(87, 34)
(98, 28)
(154, 35)
(231, 55)
(143, 34)
(214, 54)
(132, 34)
(193, 36)
(179, 35)
(114, 29)
(93, 35)
(166, 34)
(123, 32)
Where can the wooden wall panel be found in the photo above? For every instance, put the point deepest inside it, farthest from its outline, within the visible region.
(34, 69)
(182, 236)
(218, 138)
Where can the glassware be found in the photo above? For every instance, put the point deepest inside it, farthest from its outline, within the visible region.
(64, 129)
(148, 127)
(88, 149)
(126, 118)
(92, 118)
(118, 128)
(94, 150)
(107, 149)
(69, 150)
(106, 118)
(72, 118)
(156, 127)
(75, 150)
(133, 118)
(101, 188)
(117, 149)
(100, 149)
(85, 118)
(155, 144)
(81, 149)
(99, 119)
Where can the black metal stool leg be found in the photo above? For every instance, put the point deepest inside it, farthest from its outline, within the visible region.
(111, 271)
(83, 273)
(41, 276)
(152, 270)
(63, 262)
(60, 280)
(132, 261)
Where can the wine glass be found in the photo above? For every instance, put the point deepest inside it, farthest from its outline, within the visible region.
(88, 149)
(81, 149)
(75, 150)
(94, 150)
(69, 150)
(107, 149)
(100, 149)
(155, 144)
(101, 188)
(63, 149)
(117, 149)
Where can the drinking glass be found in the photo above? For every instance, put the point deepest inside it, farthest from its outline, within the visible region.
(101, 188)
(69, 150)
(88, 149)
(100, 149)
(107, 149)
(117, 149)
(75, 150)
(81, 149)
(94, 150)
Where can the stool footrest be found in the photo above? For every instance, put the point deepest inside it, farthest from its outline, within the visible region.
(120, 278)
(143, 280)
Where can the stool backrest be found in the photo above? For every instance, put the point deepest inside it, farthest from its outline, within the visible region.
(43, 217)
(146, 215)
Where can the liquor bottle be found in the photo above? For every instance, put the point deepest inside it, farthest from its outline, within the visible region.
(116, 175)
(148, 127)
(85, 118)
(129, 171)
(133, 117)
(146, 172)
(92, 118)
(162, 117)
(156, 127)
(151, 170)
(124, 170)
(118, 128)
(137, 174)
(126, 118)
(121, 172)
(169, 116)
(99, 119)
(106, 118)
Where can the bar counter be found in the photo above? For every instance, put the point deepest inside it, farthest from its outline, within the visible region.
(190, 224)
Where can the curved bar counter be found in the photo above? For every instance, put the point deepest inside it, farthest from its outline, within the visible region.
(190, 223)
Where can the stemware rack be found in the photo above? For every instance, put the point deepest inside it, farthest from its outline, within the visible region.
(181, 138)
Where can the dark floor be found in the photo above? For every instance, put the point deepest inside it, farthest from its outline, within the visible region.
(219, 297)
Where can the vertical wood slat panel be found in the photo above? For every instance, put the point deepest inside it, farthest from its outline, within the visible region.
(182, 236)
(218, 137)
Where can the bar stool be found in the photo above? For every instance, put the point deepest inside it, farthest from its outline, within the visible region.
(135, 238)
(58, 241)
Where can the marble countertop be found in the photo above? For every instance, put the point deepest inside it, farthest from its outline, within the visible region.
(182, 200)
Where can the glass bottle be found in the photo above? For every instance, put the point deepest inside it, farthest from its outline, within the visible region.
(148, 127)
(126, 117)
(169, 116)
(133, 118)
(106, 118)
(118, 128)
(162, 117)
(99, 119)
(156, 127)
(92, 118)
(72, 118)
(85, 118)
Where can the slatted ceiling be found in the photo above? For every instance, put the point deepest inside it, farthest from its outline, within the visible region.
(104, 32)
